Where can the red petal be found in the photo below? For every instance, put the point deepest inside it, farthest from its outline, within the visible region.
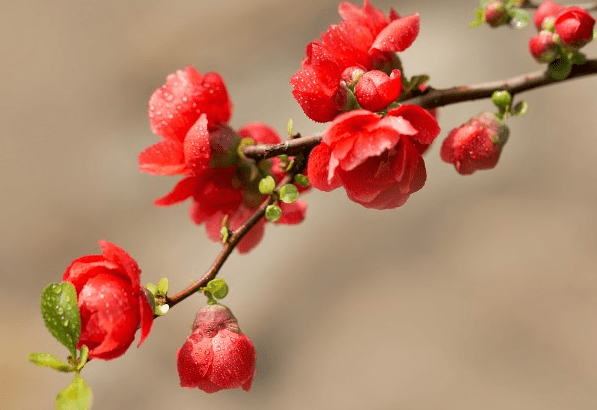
(197, 151)
(146, 317)
(421, 120)
(318, 169)
(82, 269)
(181, 191)
(164, 158)
(398, 35)
(234, 364)
(194, 361)
(128, 265)
(260, 133)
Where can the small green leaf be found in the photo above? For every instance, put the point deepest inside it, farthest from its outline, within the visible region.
(520, 109)
(560, 69)
(77, 396)
(267, 185)
(153, 289)
(83, 356)
(289, 127)
(520, 18)
(273, 213)
(225, 232)
(289, 193)
(302, 180)
(415, 82)
(218, 288)
(578, 58)
(61, 314)
(163, 286)
(49, 360)
(478, 19)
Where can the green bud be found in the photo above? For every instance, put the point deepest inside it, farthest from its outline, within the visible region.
(273, 213)
(289, 193)
(267, 185)
(502, 99)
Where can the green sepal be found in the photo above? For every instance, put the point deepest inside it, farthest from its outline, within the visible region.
(163, 286)
(578, 58)
(302, 180)
(83, 357)
(520, 18)
(520, 109)
(415, 82)
(273, 213)
(478, 19)
(560, 69)
(218, 288)
(289, 193)
(77, 396)
(61, 314)
(267, 185)
(51, 361)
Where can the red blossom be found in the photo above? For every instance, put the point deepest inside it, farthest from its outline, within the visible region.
(543, 47)
(217, 355)
(373, 157)
(365, 39)
(495, 14)
(475, 145)
(111, 301)
(547, 9)
(574, 25)
(376, 90)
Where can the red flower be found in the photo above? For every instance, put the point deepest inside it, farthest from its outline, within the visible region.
(376, 159)
(476, 144)
(111, 301)
(376, 90)
(495, 14)
(547, 9)
(365, 39)
(574, 25)
(219, 182)
(217, 355)
(543, 48)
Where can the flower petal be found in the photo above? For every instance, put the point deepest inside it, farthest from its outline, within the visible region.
(397, 36)
(181, 191)
(164, 158)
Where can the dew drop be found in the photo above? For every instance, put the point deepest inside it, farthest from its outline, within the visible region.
(57, 289)
(65, 322)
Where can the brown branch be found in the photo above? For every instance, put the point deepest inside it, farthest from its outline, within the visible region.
(433, 98)
(527, 4)
(229, 246)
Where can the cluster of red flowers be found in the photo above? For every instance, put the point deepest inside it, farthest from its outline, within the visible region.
(569, 27)
(191, 113)
(348, 76)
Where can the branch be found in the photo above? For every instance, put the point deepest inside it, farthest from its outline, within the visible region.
(433, 98)
(229, 246)
(527, 4)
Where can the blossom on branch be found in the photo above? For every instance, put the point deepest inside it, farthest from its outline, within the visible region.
(574, 25)
(111, 301)
(217, 355)
(546, 10)
(200, 146)
(365, 40)
(376, 159)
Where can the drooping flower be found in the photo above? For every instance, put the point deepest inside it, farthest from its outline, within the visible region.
(575, 26)
(376, 159)
(476, 144)
(366, 40)
(217, 355)
(218, 180)
(111, 301)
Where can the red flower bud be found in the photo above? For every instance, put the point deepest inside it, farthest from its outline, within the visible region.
(495, 14)
(217, 355)
(376, 90)
(111, 301)
(543, 47)
(476, 144)
(547, 9)
(574, 25)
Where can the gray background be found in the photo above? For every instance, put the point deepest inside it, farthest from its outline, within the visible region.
(481, 292)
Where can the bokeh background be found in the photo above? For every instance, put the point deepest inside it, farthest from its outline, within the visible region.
(480, 292)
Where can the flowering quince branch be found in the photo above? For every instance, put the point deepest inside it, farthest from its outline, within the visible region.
(381, 122)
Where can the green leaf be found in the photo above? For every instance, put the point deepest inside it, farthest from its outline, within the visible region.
(302, 180)
(478, 19)
(520, 18)
(218, 288)
(273, 213)
(267, 185)
(520, 109)
(578, 58)
(163, 286)
(153, 289)
(289, 193)
(415, 82)
(225, 232)
(83, 356)
(289, 127)
(560, 69)
(61, 314)
(49, 360)
(77, 396)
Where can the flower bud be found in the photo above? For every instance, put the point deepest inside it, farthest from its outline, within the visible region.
(547, 10)
(376, 90)
(574, 25)
(543, 47)
(217, 355)
(495, 14)
(476, 144)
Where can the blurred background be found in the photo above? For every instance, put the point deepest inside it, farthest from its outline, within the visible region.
(480, 292)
